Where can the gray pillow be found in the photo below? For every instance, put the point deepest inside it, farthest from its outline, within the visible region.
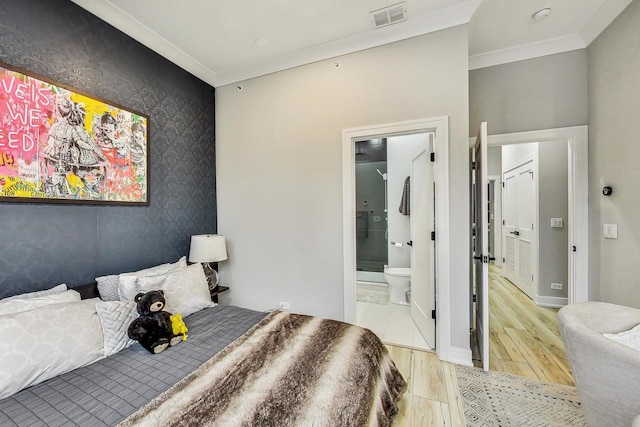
(108, 287)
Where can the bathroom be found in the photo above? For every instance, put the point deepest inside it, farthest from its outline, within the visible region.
(383, 236)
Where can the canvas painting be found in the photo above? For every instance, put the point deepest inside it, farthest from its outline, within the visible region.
(60, 145)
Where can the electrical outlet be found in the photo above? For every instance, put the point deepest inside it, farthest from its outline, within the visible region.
(556, 286)
(284, 305)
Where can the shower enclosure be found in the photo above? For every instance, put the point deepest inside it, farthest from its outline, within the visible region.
(371, 210)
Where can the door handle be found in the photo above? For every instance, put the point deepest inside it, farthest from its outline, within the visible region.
(477, 257)
(517, 233)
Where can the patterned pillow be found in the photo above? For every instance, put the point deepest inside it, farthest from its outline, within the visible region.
(127, 281)
(185, 289)
(115, 318)
(55, 290)
(47, 341)
(25, 304)
(108, 287)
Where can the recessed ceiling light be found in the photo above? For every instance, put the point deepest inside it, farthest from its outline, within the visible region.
(262, 42)
(541, 14)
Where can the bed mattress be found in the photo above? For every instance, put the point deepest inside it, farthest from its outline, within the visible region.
(107, 391)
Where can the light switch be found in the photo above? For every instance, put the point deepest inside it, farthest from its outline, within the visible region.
(610, 231)
(557, 222)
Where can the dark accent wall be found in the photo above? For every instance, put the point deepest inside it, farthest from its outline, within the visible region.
(42, 245)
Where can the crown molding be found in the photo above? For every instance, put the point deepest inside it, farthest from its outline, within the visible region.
(526, 51)
(596, 25)
(415, 26)
(602, 19)
(108, 12)
(422, 24)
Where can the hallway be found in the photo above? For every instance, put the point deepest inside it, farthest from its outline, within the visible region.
(524, 338)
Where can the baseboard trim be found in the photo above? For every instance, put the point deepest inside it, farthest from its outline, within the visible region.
(553, 302)
(458, 355)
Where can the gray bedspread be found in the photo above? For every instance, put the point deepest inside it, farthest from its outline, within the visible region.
(106, 392)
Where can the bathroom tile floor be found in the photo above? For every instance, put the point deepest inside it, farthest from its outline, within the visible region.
(392, 323)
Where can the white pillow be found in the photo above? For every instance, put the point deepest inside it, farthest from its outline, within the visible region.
(55, 290)
(127, 281)
(47, 341)
(185, 289)
(18, 305)
(115, 318)
(630, 338)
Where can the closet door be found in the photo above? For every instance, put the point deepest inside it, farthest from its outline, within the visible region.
(520, 206)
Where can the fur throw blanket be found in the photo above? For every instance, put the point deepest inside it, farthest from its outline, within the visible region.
(288, 370)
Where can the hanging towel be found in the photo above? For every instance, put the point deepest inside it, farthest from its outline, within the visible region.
(404, 200)
(362, 224)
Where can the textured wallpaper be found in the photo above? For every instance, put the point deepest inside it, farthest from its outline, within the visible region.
(42, 245)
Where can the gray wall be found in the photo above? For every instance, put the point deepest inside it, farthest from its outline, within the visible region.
(371, 252)
(614, 151)
(541, 93)
(43, 245)
(554, 203)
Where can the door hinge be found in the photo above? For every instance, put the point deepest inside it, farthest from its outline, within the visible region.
(503, 260)
(503, 223)
(433, 157)
(573, 248)
(433, 235)
(475, 298)
(433, 314)
(532, 277)
(473, 165)
(503, 185)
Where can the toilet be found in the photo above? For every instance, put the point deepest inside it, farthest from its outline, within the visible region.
(399, 280)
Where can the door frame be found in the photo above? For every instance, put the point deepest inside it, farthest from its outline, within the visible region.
(440, 126)
(577, 138)
(497, 218)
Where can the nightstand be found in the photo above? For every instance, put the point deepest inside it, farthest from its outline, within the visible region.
(218, 290)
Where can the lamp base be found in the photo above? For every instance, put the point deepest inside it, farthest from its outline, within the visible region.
(212, 275)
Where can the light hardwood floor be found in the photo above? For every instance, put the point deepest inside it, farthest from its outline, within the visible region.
(432, 391)
(524, 338)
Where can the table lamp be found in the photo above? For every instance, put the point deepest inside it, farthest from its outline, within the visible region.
(208, 248)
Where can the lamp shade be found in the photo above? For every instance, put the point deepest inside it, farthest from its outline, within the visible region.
(208, 248)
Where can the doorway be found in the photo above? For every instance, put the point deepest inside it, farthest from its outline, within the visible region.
(438, 335)
(394, 218)
(574, 141)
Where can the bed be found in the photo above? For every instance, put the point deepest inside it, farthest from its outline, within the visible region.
(238, 367)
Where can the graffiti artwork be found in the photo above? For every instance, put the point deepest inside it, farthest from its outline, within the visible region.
(59, 145)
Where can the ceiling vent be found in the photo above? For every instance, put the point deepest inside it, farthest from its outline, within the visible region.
(390, 15)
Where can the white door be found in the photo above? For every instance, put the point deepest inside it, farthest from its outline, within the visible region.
(421, 222)
(481, 252)
(520, 211)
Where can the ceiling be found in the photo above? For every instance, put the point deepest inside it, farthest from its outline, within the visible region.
(224, 42)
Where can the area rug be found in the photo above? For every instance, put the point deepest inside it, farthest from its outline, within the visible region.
(497, 399)
(373, 293)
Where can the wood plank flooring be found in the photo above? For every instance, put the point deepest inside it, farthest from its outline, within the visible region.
(524, 338)
(432, 391)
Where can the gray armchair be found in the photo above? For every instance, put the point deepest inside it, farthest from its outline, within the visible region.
(607, 374)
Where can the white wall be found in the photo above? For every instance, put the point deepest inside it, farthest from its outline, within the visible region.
(400, 152)
(279, 167)
(614, 150)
